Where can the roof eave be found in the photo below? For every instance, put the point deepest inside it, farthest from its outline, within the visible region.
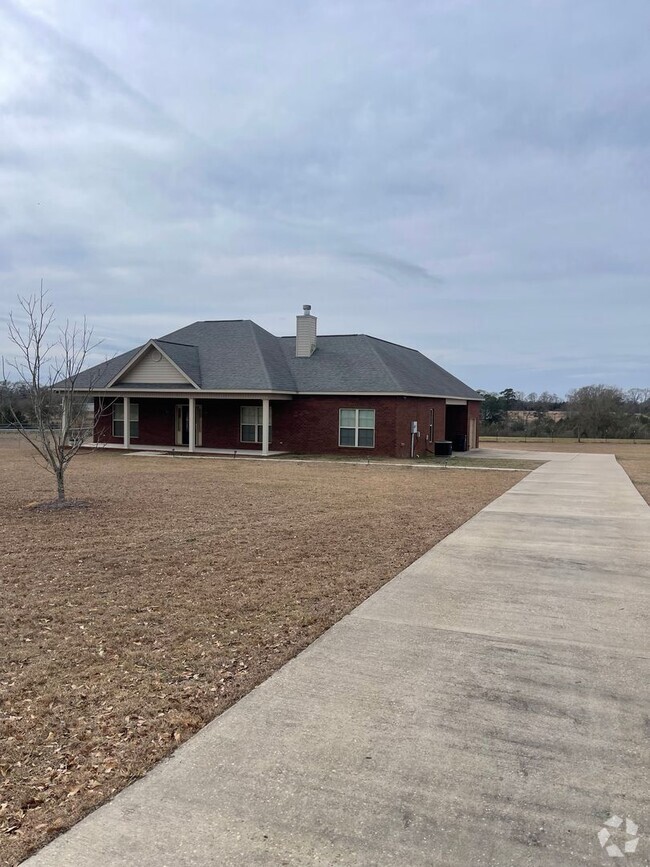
(387, 394)
(196, 391)
(192, 392)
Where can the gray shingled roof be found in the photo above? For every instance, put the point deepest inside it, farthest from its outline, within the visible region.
(101, 374)
(238, 355)
(356, 362)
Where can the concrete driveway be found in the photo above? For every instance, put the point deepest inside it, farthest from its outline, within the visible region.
(489, 706)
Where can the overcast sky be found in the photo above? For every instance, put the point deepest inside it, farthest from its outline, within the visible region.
(467, 177)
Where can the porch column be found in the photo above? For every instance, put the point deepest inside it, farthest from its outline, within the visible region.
(192, 424)
(64, 417)
(127, 422)
(265, 426)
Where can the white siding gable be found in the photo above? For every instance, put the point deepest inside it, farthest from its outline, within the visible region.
(153, 367)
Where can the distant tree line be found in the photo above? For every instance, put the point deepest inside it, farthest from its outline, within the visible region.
(14, 404)
(593, 411)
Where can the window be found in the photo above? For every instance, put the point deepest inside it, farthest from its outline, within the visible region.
(118, 420)
(251, 424)
(431, 426)
(357, 428)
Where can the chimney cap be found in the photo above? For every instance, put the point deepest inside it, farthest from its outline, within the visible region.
(306, 309)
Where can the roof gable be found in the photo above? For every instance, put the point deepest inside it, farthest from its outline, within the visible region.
(159, 363)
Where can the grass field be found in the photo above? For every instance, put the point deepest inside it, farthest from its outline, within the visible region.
(463, 460)
(633, 457)
(455, 460)
(561, 440)
(126, 625)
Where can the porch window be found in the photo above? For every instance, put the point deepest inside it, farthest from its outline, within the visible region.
(251, 424)
(357, 428)
(118, 420)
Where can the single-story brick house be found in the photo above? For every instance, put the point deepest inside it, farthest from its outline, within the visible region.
(232, 385)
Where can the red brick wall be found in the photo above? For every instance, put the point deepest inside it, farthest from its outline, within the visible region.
(156, 424)
(305, 425)
(104, 422)
(417, 409)
(310, 425)
(221, 425)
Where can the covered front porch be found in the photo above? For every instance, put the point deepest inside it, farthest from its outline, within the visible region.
(188, 424)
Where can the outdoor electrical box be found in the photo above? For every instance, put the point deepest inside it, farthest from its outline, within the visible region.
(414, 427)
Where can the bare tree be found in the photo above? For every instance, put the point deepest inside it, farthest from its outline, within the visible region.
(639, 399)
(48, 365)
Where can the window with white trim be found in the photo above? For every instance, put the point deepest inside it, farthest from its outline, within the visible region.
(357, 428)
(118, 420)
(251, 425)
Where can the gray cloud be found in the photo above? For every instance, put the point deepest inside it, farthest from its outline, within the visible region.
(468, 178)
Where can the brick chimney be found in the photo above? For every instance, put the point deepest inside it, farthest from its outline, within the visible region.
(305, 333)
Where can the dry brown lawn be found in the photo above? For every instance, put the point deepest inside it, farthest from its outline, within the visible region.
(633, 457)
(127, 625)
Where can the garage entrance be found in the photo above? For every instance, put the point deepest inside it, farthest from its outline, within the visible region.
(456, 425)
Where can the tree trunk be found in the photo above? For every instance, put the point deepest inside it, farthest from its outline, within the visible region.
(60, 489)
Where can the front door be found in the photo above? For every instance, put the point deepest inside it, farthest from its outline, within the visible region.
(183, 424)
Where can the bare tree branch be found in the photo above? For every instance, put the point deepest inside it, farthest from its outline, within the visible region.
(48, 368)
